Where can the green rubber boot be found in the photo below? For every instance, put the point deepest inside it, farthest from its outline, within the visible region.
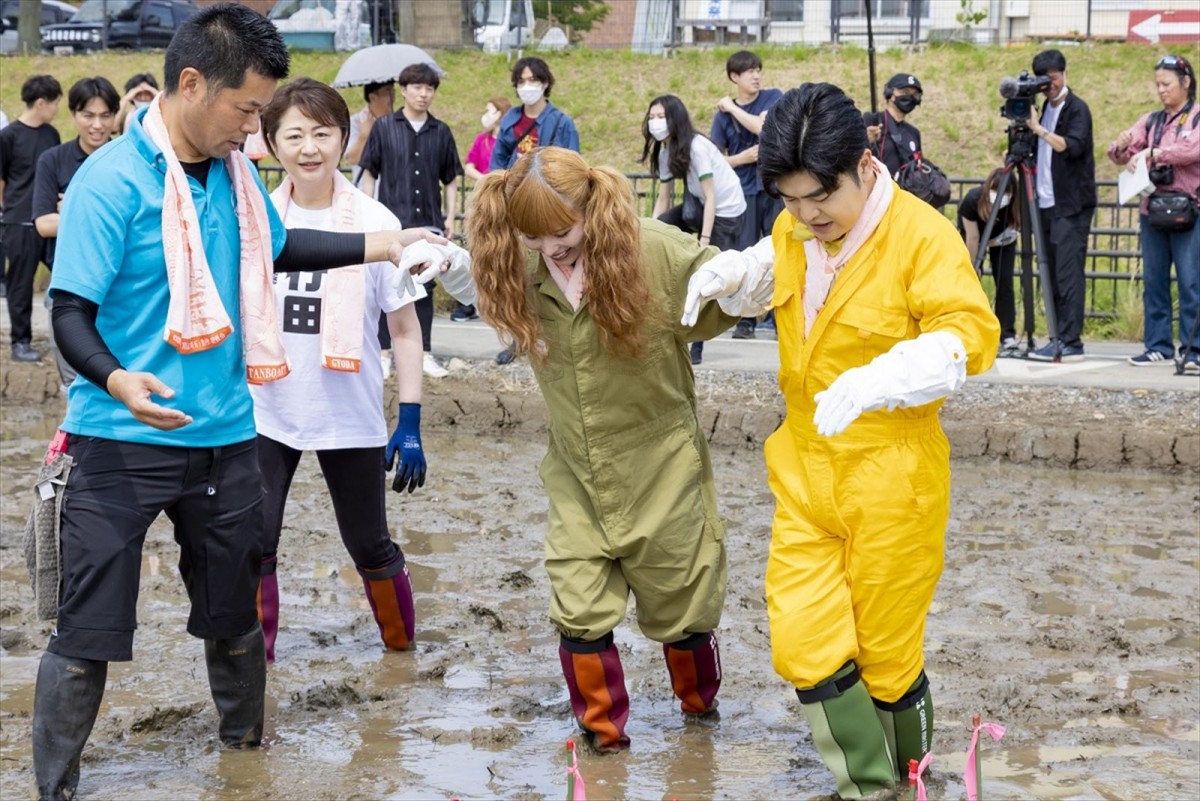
(848, 735)
(908, 724)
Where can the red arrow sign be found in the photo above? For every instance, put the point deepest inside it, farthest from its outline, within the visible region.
(1164, 26)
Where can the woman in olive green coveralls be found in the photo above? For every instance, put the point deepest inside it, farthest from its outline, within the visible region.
(566, 270)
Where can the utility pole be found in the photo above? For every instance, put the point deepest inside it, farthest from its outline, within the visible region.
(407, 21)
(29, 27)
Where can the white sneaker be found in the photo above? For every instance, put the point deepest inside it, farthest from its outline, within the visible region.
(385, 361)
(432, 368)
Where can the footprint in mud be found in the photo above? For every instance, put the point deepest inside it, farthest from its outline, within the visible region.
(163, 718)
(484, 615)
(15, 640)
(327, 696)
(516, 580)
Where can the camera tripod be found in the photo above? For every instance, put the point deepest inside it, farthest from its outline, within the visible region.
(1020, 166)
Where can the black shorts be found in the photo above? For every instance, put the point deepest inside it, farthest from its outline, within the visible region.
(115, 491)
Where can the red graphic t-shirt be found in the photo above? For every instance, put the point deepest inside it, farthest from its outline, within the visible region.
(525, 134)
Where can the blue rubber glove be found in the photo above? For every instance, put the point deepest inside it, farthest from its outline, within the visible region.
(406, 441)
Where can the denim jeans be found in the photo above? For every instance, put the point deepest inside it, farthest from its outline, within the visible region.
(1161, 249)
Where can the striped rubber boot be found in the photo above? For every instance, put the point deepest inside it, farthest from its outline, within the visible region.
(267, 602)
(848, 735)
(389, 591)
(596, 683)
(908, 723)
(695, 667)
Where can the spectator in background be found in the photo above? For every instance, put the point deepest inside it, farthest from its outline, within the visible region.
(94, 106)
(380, 101)
(535, 123)
(1168, 137)
(1066, 190)
(479, 163)
(479, 159)
(22, 142)
(3, 262)
(139, 91)
(413, 156)
(735, 132)
(973, 215)
(892, 140)
(713, 205)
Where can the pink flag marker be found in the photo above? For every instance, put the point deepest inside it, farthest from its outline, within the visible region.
(575, 788)
(973, 772)
(915, 771)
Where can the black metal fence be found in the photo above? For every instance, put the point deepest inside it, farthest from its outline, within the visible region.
(1114, 257)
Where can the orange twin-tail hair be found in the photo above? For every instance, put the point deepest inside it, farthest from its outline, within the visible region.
(547, 192)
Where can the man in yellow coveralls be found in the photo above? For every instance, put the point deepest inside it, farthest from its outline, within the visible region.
(879, 318)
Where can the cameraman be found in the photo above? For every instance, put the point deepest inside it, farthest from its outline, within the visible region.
(892, 140)
(1066, 189)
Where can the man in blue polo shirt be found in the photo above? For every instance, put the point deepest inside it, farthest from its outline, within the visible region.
(152, 428)
(735, 130)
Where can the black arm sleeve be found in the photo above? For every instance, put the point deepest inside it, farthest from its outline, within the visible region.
(78, 339)
(309, 250)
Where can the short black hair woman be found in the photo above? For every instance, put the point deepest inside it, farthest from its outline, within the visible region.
(879, 317)
(1169, 141)
(567, 272)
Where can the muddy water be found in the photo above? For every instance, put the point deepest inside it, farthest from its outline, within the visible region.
(1068, 611)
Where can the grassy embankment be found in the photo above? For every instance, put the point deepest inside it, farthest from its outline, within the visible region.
(607, 92)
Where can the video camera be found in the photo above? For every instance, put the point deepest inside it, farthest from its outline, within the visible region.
(1019, 93)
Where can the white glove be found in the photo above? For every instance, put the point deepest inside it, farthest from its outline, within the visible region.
(742, 282)
(455, 275)
(417, 253)
(449, 262)
(913, 373)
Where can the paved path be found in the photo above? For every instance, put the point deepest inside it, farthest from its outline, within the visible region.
(1104, 368)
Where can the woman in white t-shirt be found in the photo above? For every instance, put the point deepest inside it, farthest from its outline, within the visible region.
(331, 401)
(713, 202)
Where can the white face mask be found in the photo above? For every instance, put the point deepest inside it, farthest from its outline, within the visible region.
(530, 94)
(1003, 203)
(140, 103)
(657, 128)
(489, 119)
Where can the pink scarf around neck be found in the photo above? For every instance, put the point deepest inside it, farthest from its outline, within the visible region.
(196, 317)
(573, 283)
(823, 267)
(344, 304)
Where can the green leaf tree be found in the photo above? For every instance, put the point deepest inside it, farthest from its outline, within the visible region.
(578, 15)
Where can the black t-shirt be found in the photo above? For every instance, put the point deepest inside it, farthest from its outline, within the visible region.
(197, 170)
(55, 169)
(1002, 233)
(969, 209)
(20, 147)
(898, 142)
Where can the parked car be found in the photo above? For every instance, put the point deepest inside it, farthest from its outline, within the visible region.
(53, 12)
(130, 25)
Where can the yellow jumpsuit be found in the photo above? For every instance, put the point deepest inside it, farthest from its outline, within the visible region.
(860, 518)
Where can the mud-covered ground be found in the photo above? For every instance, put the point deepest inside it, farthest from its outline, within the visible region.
(1068, 612)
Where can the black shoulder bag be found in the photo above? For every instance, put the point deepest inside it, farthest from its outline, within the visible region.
(1169, 210)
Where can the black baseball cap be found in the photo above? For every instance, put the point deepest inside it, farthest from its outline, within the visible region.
(901, 80)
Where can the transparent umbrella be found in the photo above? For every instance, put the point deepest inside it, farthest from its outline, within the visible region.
(381, 63)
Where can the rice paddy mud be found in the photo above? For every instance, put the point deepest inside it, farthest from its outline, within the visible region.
(1068, 611)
